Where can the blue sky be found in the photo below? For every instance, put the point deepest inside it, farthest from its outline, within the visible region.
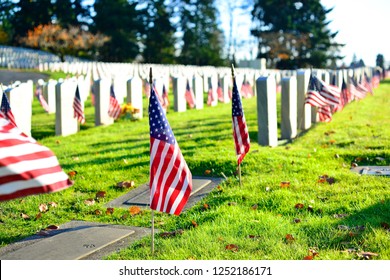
(363, 26)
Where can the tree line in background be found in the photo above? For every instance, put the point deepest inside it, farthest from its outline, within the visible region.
(290, 33)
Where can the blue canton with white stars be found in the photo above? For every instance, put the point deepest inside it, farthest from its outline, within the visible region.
(236, 100)
(158, 123)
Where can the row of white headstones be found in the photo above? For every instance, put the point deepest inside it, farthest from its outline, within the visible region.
(128, 81)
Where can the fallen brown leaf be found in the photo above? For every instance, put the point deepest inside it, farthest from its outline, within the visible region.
(367, 255)
(289, 237)
(285, 184)
(308, 258)
(206, 206)
(194, 223)
(296, 220)
(110, 211)
(89, 201)
(134, 210)
(171, 233)
(385, 225)
(254, 206)
(53, 204)
(98, 212)
(24, 216)
(207, 172)
(52, 227)
(232, 247)
(100, 194)
(125, 184)
(43, 207)
(38, 216)
(72, 173)
(299, 206)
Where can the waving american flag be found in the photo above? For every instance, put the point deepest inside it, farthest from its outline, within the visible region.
(170, 177)
(240, 129)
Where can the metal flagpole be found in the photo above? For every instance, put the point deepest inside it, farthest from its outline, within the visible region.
(239, 165)
(150, 83)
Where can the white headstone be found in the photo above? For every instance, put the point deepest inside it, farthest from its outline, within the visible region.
(266, 111)
(303, 110)
(49, 93)
(289, 108)
(179, 89)
(134, 93)
(66, 123)
(197, 86)
(102, 100)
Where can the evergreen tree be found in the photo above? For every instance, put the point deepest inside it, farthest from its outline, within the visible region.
(119, 20)
(70, 13)
(29, 14)
(294, 34)
(202, 41)
(159, 41)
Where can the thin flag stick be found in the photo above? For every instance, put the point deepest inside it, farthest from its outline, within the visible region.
(150, 82)
(239, 165)
(152, 232)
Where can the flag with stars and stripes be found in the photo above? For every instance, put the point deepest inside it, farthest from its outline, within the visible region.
(41, 99)
(114, 108)
(240, 129)
(170, 178)
(189, 95)
(78, 107)
(26, 167)
(6, 109)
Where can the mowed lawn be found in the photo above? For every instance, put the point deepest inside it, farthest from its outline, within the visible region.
(298, 200)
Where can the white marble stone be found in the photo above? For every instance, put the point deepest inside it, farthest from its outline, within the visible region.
(66, 124)
(102, 100)
(266, 111)
(289, 107)
(303, 110)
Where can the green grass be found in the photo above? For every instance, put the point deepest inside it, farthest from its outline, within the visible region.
(255, 217)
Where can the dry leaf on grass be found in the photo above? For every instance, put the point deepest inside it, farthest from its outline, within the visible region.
(231, 247)
(24, 216)
(100, 194)
(43, 207)
(134, 210)
(53, 204)
(110, 211)
(125, 184)
(299, 206)
(171, 233)
(52, 227)
(72, 173)
(89, 201)
(289, 238)
(285, 184)
(194, 224)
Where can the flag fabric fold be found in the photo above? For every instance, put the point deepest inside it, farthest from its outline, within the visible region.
(325, 97)
(5, 108)
(41, 99)
(78, 107)
(165, 100)
(26, 167)
(189, 95)
(114, 108)
(170, 178)
(210, 95)
(240, 129)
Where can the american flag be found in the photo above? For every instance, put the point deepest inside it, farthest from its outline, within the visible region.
(189, 95)
(114, 109)
(41, 99)
(240, 129)
(367, 83)
(164, 95)
(220, 92)
(210, 95)
(246, 89)
(375, 80)
(26, 167)
(323, 96)
(325, 113)
(313, 95)
(6, 109)
(78, 107)
(357, 90)
(170, 178)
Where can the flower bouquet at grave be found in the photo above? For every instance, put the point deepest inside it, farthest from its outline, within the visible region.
(129, 112)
